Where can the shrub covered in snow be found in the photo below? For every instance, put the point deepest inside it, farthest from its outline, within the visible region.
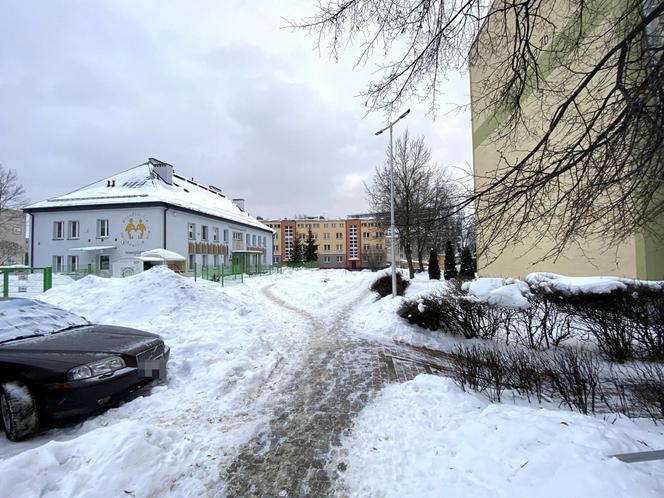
(571, 375)
(624, 321)
(383, 284)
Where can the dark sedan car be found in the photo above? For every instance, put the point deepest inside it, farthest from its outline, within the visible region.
(55, 364)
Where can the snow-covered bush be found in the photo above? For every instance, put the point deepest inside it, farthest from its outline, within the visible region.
(569, 375)
(383, 284)
(457, 314)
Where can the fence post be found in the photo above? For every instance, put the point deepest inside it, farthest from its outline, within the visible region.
(5, 283)
(222, 275)
(195, 265)
(47, 278)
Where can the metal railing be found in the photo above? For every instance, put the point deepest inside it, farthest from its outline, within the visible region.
(25, 281)
(231, 274)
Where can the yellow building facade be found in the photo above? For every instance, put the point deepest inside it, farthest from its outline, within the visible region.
(640, 256)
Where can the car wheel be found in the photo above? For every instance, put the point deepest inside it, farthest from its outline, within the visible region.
(18, 410)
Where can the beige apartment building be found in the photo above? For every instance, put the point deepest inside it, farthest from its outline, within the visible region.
(641, 256)
(13, 238)
(354, 243)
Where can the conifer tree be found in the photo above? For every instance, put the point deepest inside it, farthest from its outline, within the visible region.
(450, 262)
(297, 256)
(467, 269)
(434, 267)
(311, 248)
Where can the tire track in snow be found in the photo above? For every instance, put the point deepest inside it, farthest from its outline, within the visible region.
(323, 392)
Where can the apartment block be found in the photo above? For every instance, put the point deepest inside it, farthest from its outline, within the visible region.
(354, 243)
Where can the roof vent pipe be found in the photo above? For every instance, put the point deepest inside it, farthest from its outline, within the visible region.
(113, 183)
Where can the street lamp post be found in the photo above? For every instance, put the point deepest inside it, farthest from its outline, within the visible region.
(392, 230)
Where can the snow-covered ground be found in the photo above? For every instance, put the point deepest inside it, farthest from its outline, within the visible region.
(230, 350)
(174, 441)
(427, 438)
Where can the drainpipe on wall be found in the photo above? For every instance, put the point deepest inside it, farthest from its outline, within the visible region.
(165, 211)
(32, 240)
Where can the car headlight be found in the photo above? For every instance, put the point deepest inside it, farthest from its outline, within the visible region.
(107, 365)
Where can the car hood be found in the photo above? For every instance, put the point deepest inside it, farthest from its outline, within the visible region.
(48, 358)
(88, 339)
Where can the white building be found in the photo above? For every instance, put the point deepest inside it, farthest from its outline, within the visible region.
(106, 225)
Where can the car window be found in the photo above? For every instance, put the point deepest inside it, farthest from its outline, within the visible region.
(23, 317)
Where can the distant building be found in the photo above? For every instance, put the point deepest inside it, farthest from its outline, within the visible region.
(106, 225)
(13, 241)
(354, 243)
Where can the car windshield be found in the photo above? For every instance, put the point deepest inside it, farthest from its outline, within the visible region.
(25, 317)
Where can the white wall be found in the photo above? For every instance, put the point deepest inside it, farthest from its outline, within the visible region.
(126, 243)
(130, 244)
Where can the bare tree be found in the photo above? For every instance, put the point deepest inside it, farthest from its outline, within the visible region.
(12, 196)
(593, 166)
(10, 250)
(421, 193)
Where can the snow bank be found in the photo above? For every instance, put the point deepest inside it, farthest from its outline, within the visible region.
(506, 292)
(551, 282)
(176, 440)
(427, 438)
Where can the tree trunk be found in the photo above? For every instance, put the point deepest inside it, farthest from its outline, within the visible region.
(409, 258)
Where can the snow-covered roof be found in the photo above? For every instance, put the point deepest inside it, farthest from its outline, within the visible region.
(162, 254)
(142, 184)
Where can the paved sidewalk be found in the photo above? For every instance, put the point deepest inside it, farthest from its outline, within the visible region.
(340, 374)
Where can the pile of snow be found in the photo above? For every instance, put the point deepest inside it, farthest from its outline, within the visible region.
(569, 286)
(176, 440)
(507, 292)
(428, 438)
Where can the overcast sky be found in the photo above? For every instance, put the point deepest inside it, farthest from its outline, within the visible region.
(217, 88)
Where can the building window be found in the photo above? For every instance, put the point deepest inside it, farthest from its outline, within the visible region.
(72, 262)
(204, 232)
(237, 236)
(215, 260)
(340, 247)
(334, 225)
(248, 239)
(205, 260)
(352, 242)
(326, 235)
(57, 264)
(326, 247)
(225, 235)
(366, 235)
(275, 248)
(102, 228)
(326, 259)
(340, 235)
(276, 236)
(253, 240)
(215, 234)
(192, 261)
(192, 231)
(59, 230)
(104, 262)
(73, 229)
(275, 259)
(340, 259)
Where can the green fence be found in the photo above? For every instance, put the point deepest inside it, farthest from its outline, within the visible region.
(231, 274)
(78, 272)
(25, 281)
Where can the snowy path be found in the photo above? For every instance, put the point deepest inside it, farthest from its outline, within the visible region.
(337, 374)
(331, 383)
